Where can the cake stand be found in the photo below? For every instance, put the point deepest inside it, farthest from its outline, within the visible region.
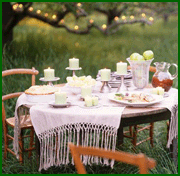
(73, 70)
(105, 88)
(121, 86)
(49, 81)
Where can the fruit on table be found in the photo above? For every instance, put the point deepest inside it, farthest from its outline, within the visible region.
(148, 55)
(133, 56)
(139, 58)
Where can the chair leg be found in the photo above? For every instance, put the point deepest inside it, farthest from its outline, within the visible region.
(130, 130)
(31, 142)
(21, 147)
(5, 141)
(134, 141)
(167, 130)
(151, 134)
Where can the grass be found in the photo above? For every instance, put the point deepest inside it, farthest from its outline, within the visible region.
(36, 44)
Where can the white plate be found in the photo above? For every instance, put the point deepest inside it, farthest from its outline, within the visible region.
(157, 98)
(54, 105)
(90, 107)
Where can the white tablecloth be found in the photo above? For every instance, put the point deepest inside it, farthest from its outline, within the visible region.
(57, 126)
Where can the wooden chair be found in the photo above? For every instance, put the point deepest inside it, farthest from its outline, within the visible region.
(139, 160)
(11, 121)
(138, 128)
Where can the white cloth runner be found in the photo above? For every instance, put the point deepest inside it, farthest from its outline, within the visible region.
(51, 122)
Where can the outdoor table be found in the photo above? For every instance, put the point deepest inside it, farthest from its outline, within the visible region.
(133, 116)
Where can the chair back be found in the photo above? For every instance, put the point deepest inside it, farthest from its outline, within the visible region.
(139, 160)
(32, 72)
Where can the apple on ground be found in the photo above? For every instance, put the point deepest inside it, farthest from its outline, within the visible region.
(148, 55)
(139, 58)
(133, 56)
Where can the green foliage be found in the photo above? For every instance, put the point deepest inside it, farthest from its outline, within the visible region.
(43, 46)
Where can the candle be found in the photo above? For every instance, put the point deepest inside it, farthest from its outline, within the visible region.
(88, 101)
(105, 74)
(49, 74)
(86, 91)
(95, 101)
(121, 68)
(74, 63)
(60, 97)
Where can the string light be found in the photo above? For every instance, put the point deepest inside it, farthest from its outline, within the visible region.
(91, 21)
(131, 17)
(143, 15)
(46, 14)
(20, 5)
(123, 17)
(116, 18)
(15, 6)
(54, 17)
(151, 19)
(62, 21)
(104, 26)
(38, 11)
(79, 4)
(76, 27)
(76, 44)
(30, 9)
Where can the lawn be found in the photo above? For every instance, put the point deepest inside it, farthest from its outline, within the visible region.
(37, 45)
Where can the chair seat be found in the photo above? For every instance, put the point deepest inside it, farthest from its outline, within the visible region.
(24, 123)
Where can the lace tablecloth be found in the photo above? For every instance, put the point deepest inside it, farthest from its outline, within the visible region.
(95, 127)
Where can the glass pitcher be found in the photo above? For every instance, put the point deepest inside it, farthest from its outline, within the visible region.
(162, 77)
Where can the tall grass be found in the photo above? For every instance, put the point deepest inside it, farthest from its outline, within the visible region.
(40, 46)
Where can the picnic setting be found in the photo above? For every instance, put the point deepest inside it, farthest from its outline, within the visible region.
(90, 87)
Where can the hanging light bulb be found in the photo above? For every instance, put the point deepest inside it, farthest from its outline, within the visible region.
(91, 21)
(15, 6)
(20, 6)
(30, 9)
(62, 21)
(38, 11)
(123, 17)
(54, 17)
(143, 15)
(151, 19)
(116, 18)
(79, 4)
(104, 26)
(46, 14)
(131, 17)
(76, 27)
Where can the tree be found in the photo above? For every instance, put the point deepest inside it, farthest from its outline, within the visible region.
(53, 13)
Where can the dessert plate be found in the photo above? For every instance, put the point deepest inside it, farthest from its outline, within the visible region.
(54, 105)
(90, 107)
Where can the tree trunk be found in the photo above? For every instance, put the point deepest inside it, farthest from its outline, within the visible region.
(7, 15)
(166, 17)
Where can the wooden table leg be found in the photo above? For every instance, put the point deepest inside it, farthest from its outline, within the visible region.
(120, 135)
(174, 151)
